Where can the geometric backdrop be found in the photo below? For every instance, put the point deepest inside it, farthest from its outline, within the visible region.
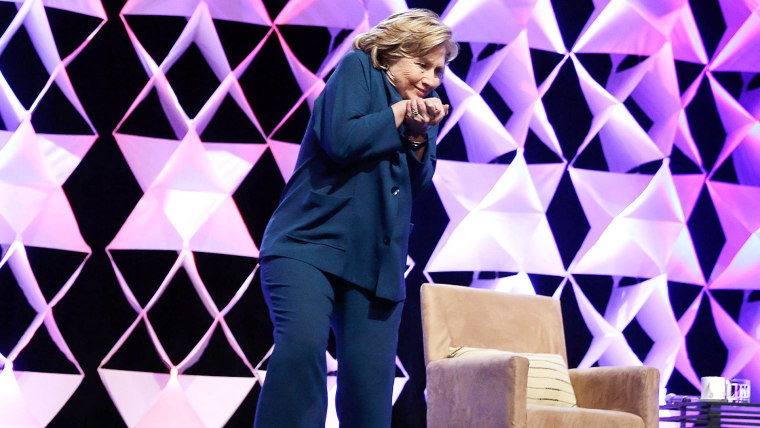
(603, 153)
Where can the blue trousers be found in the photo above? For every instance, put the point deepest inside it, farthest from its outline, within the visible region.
(304, 303)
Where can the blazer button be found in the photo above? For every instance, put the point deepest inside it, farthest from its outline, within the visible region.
(386, 240)
(395, 190)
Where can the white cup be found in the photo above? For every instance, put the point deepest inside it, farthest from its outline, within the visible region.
(714, 388)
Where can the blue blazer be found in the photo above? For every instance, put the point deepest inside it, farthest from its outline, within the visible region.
(347, 207)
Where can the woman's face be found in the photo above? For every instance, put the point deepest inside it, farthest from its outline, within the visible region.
(418, 77)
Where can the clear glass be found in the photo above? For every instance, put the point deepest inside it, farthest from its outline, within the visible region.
(739, 391)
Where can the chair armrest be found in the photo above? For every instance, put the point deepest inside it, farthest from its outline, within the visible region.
(628, 389)
(477, 391)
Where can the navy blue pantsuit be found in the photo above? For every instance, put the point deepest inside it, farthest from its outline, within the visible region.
(304, 303)
(334, 254)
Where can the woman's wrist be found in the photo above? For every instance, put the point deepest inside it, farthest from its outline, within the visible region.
(416, 142)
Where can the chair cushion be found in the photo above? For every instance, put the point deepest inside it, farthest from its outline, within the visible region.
(548, 379)
(549, 417)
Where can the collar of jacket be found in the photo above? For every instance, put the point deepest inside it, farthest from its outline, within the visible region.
(393, 94)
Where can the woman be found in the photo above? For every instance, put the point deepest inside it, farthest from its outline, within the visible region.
(334, 252)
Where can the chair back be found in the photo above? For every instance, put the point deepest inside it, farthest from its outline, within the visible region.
(455, 316)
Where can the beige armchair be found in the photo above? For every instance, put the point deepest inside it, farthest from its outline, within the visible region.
(490, 390)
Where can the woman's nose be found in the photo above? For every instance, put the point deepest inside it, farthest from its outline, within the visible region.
(431, 80)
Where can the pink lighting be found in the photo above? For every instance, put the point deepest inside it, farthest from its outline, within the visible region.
(35, 212)
(514, 185)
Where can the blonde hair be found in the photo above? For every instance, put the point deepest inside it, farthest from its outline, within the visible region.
(409, 34)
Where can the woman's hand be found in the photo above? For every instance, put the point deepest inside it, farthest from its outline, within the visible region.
(431, 110)
(423, 112)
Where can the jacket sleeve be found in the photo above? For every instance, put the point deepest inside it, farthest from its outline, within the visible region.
(421, 171)
(351, 131)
